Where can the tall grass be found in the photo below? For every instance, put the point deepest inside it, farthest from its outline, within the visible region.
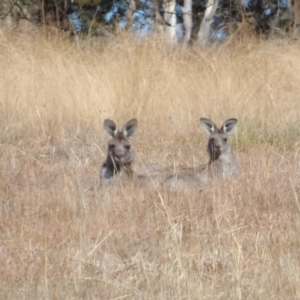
(65, 237)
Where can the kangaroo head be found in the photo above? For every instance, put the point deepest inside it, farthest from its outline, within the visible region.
(119, 146)
(218, 143)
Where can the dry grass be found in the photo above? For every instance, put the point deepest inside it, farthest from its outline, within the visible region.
(62, 236)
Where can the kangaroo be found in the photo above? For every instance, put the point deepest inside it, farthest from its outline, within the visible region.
(120, 153)
(222, 161)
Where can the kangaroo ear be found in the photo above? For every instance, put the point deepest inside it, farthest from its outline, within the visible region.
(129, 128)
(110, 128)
(208, 125)
(229, 125)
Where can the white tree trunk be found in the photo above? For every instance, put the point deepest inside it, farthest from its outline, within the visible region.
(170, 20)
(204, 31)
(187, 20)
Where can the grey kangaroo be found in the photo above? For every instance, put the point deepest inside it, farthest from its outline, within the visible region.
(222, 161)
(120, 154)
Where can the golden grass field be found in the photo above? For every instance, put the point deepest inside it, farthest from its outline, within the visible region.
(64, 236)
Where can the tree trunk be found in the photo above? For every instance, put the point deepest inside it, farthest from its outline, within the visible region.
(296, 11)
(170, 21)
(130, 12)
(187, 20)
(203, 35)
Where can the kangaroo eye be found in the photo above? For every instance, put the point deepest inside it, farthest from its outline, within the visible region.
(111, 147)
(212, 139)
(225, 139)
(127, 147)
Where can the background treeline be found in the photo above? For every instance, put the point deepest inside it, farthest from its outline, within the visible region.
(144, 17)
